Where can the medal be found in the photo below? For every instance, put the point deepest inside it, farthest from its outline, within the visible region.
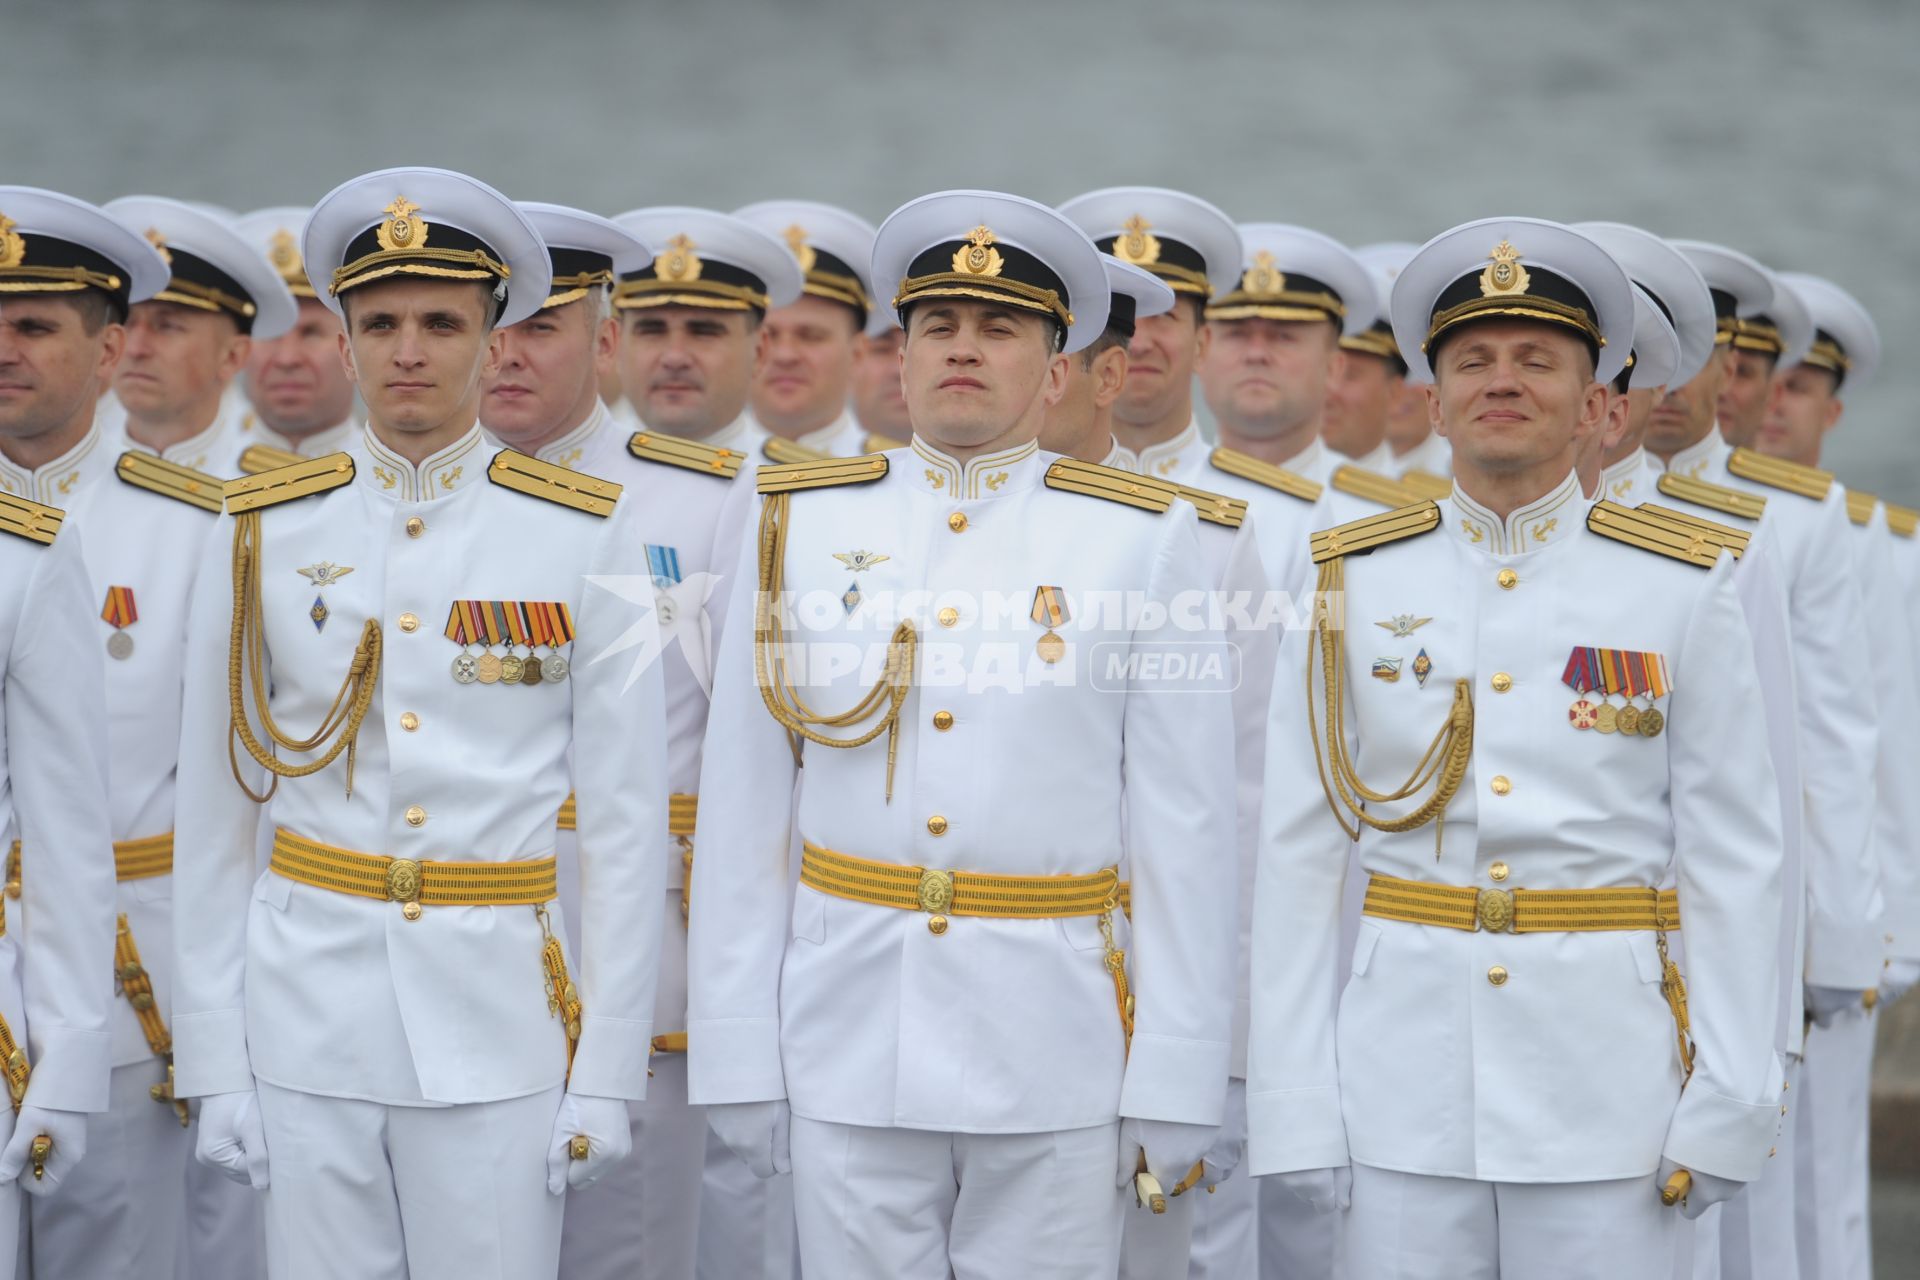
(1583, 714)
(1631, 673)
(466, 669)
(487, 666)
(553, 667)
(530, 670)
(118, 612)
(549, 626)
(1652, 722)
(1050, 611)
(1628, 721)
(512, 669)
(1605, 719)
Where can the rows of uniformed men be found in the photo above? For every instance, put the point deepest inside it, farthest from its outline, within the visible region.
(1435, 1001)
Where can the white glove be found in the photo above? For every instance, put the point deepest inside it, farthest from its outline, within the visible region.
(1324, 1189)
(603, 1123)
(232, 1138)
(1171, 1148)
(1705, 1192)
(1229, 1141)
(68, 1129)
(1897, 979)
(756, 1132)
(1828, 1004)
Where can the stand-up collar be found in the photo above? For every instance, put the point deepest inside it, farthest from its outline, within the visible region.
(451, 469)
(990, 475)
(840, 438)
(1628, 482)
(574, 448)
(60, 481)
(339, 436)
(1697, 460)
(1547, 519)
(1168, 458)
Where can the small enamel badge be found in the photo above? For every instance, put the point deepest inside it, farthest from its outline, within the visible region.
(859, 562)
(326, 573)
(1422, 667)
(318, 613)
(1387, 669)
(1403, 625)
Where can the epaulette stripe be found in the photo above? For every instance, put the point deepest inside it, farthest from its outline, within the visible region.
(1215, 508)
(256, 458)
(1359, 536)
(284, 484)
(1860, 506)
(877, 443)
(1778, 473)
(556, 484)
(1247, 467)
(1624, 524)
(34, 521)
(691, 454)
(1374, 487)
(1427, 484)
(1111, 483)
(1902, 520)
(1714, 497)
(171, 480)
(781, 450)
(1734, 540)
(821, 474)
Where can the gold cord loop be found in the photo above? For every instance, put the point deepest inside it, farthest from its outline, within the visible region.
(247, 647)
(888, 694)
(1443, 767)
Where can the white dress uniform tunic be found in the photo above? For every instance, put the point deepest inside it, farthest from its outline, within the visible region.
(1492, 1039)
(405, 1016)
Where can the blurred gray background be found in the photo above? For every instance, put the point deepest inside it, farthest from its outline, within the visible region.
(1784, 128)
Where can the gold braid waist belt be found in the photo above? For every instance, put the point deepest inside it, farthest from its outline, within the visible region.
(681, 811)
(144, 858)
(413, 883)
(1521, 910)
(958, 893)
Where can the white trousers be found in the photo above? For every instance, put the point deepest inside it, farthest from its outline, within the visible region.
(1159, 1246)
(1408, 1226)
(746, 1223)
(1756, 1239)
(1226, 1228)
(1831, 1178)
(641, 1220)
(123, 1207)
(910, 1204)
(225, 1237)
(363, 1191)
(1297, 1241)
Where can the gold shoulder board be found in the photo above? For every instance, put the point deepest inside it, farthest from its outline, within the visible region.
(1734, 540)
(1374, 487)
(707, 459)
(1248, 467)
(34, 521)
(256, 458)
(284, 484)
(539, 479)
(1653, 533)
(1714, 497)
(1359, 536)
(1427, 484)
(877, 443)
(782, 450)
(822, 473)
(1902, 520)
(1215, 508)
(171, 480)
(1778, 473)
(1111, 483)
(1860, 506)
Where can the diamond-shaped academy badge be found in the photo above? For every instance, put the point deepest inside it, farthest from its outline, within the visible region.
(851, 600)
(318, 613)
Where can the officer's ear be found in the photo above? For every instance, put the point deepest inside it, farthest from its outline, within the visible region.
(1056, 382)
(1431, 391)
(496, 352)
(346, 347)
(1109, 375)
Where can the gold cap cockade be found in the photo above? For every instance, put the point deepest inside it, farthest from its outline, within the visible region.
(1263, 279)
(159, 242)
(402, 230)
(1504, 274)
(678, 261)
(802, 251)
(13, 245)
(978, 257)
(1135, 245)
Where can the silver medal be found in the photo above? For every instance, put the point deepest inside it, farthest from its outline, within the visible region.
(120, 645)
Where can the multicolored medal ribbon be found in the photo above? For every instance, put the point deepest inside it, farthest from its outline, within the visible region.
(1623, 672)
(119, 613)
(512, 625)
(1050, 611)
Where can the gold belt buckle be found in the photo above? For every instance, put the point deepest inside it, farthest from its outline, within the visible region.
(936, 897)
(403, 886)
(1494, 911)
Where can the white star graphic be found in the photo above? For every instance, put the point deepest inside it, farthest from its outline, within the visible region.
(683, 621)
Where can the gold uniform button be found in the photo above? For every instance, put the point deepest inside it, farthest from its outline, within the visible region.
(1501, 785)
(1497, 975)
(1502, 682)
(937, 825)
(409, 721)
(957, 522)
(948, 616)
(1507, 579)
(943, 720)
(416, 526)
(416, 816)
(1498, 871)
(409, 622)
